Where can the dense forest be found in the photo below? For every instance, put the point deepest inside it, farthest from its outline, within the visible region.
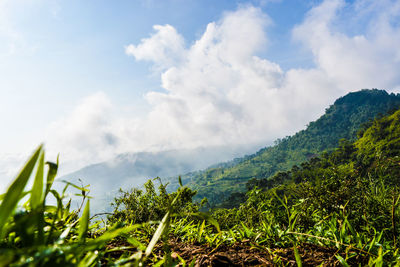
(337, 204)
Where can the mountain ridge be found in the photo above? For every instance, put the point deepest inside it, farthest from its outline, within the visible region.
(342, 120)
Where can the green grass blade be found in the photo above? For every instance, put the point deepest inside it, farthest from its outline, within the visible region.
(297, 256)
(16, 190)
(109, 235)
(208, 218)
(37, 188)
(83, 189)
(200, 233)
(342, 261)
(22, 195)
(60, 205)
(51, 174)
(193, 262)
(182, 261)
(136, 243)
(164, 224)
(65, 233)
(157, 234)
(84, 222)
(379, 261)
(160, 263)
(89, 259)
(133, 260)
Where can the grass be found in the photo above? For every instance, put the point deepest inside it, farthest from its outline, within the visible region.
(34, 233)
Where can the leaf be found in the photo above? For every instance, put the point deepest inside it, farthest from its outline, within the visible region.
(22, 195)
(157, 234)
(84, 222)
(379, 261)
(37, 188)
(164, 224)
(280, 200)
(83, 189)
(207, 217)
(108, 235)
(159, 263)
(342, 261)
(51, 174)
(136, 243)
(180, 180)
(65, 233)
(182, 261)
(297, 256)
(193, 262)
(16, 190)
(60, 205)
(89, 259)
(201, 230)
(133, 260)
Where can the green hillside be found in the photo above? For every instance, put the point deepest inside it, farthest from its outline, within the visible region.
(341, 120)
(375, 153)
(346, 196)
(340, 208)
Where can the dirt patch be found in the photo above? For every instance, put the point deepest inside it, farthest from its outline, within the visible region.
(247, 254)
(244, 254)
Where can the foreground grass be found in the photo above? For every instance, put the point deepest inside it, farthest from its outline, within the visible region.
(269, 228)
(33, 233)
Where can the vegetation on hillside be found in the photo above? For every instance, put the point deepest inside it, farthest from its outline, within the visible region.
(340, 208)
(342, 120)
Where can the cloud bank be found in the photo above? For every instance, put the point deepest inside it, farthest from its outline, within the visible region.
(217, 91)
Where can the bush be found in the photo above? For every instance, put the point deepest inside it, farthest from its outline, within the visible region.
(139, 206)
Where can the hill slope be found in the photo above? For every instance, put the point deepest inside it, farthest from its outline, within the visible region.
(341, 120)
(375, 153)
(134, 169)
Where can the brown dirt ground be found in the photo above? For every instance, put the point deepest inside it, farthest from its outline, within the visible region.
(246, 254)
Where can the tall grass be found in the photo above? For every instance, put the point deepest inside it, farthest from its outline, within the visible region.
(36, 233)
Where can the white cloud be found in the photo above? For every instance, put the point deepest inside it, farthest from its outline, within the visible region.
(86, 134)
(165, 47)
(10, 164)
(218, 92)
(369, 59)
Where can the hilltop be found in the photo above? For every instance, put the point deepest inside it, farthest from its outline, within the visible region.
(347, 116)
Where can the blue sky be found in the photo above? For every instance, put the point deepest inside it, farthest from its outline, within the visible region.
(57, 52)
(66, 50)
(69, 79)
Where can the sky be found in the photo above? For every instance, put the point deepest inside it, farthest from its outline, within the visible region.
(93, 79)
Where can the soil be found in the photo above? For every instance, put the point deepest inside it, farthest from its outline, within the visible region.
(246, 254)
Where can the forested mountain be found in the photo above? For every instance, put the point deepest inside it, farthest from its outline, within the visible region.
(342, 120)
(375, 153)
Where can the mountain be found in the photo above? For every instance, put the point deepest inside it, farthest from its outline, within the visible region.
(134, 169)
(374, 154)
(342, 120)
(352, 189)
(351, 176)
